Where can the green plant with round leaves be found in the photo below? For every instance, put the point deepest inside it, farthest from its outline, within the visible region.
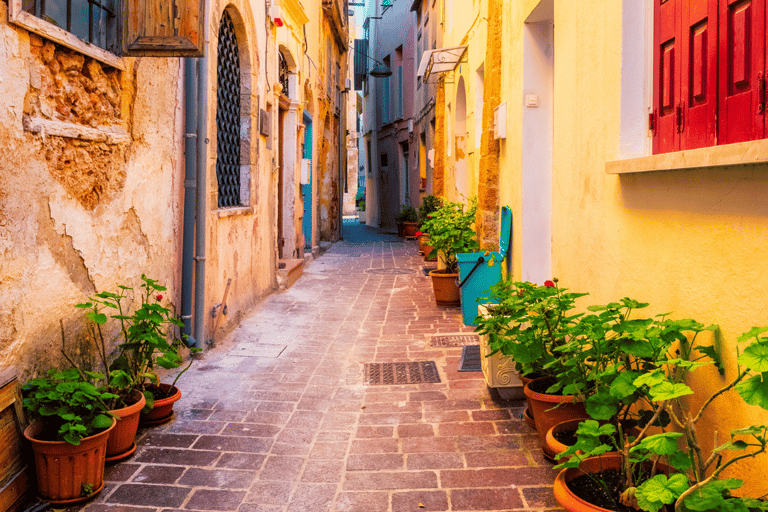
(407, 214)
(530, 322)
(148, 333)
(69, 404)
(694, 484)
(360, 202)
(451, 232)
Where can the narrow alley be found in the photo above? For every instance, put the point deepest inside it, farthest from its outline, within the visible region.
(278, 416)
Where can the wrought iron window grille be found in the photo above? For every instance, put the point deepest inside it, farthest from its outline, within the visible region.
(228, 115)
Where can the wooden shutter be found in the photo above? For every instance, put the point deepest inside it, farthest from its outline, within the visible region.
(163, 28)
(698, 77)
(742, 70)
(666, 75)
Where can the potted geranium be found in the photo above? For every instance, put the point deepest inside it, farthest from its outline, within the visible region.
(68, 434)
(451, 231)
(360, 207)
(429, 205)
(149, 341)
(657, 466)
(407, 222)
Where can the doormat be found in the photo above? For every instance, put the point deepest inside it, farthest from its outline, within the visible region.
(454, 340)
(470, 359)
(387, 374)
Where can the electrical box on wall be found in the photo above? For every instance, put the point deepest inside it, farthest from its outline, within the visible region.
(500, 121)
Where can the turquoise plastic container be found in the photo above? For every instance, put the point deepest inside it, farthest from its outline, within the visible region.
(475, 276)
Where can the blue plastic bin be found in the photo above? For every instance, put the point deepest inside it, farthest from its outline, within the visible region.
(475, 276)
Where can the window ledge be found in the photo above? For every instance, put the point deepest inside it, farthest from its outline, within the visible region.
(742, 153)
(232, 212)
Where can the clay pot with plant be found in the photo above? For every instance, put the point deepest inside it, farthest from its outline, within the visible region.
(407, 221)
(451, 231)
(69, 432)
(649, 390)
(149, 341)
(529, 322)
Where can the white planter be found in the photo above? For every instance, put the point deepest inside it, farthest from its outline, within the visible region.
(499, 370)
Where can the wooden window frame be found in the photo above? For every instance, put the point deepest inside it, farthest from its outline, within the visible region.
(32, 23)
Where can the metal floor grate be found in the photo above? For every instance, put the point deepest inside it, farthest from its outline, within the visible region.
(454, 340)
(387, 374)
(470, 359)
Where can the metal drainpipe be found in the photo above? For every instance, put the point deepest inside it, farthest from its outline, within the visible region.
(190, 185)
(202, 176)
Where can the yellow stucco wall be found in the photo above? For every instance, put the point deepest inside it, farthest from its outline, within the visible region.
(687, 241)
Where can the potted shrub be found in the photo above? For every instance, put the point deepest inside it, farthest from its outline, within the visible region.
(655, 396)
(68, 434)
(148, 342)
(450, 232)
(528, 322)
(407, 222)
(429, 205)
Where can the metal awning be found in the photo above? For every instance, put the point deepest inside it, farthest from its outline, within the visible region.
(440, 60)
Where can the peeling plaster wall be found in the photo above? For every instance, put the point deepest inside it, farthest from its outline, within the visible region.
(75, 213)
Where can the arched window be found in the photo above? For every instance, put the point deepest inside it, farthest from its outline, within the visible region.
(228, 115)
(284, 72)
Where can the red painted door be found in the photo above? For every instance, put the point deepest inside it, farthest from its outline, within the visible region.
(698, 76)
(742, 70)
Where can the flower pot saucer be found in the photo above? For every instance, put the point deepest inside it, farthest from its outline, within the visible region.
(112, 459)
(157, 421)
(73, 501)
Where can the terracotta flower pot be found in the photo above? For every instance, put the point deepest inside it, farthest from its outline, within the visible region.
(572, 503)
(65, 471)
(410, 229)
(120, 445)
(446, 290)
(553, 445)
(549, 410)
(427, 249)
(528, 414)
(162, 412)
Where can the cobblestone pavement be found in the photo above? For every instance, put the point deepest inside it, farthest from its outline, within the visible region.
(277, 416)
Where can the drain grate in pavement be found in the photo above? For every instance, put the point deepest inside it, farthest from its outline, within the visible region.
(470, 359)
(415, 372)
(453, 340)
(390, 271)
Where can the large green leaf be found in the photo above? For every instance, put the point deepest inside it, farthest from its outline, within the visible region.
(754, 390)
(623, 385)
(669, 391)
(661, 490)
(711, 496)
(660, 444)
(752, 333)
(755, 357)
(601, 406)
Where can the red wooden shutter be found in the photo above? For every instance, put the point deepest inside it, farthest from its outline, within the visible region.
(666, 75)
(742, 70)
(698, 76)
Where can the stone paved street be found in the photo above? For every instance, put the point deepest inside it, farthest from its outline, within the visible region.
(277, 416)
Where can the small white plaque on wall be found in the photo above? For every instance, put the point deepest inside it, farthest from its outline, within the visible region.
(306, 167)
(500, 121)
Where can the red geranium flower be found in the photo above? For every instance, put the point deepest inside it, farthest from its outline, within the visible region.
(419, 233)
(159, 297)
(549, 284)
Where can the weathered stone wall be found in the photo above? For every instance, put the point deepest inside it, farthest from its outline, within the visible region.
(90, 188)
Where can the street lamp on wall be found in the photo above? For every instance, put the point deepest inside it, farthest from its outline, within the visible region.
(380, 70)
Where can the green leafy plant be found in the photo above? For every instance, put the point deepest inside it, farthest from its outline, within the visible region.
(647, 390)
(429, 205)
(531, 322)
(407, 214)
(68, 403)
(149, 339)
(360, 202)
(451, 232)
